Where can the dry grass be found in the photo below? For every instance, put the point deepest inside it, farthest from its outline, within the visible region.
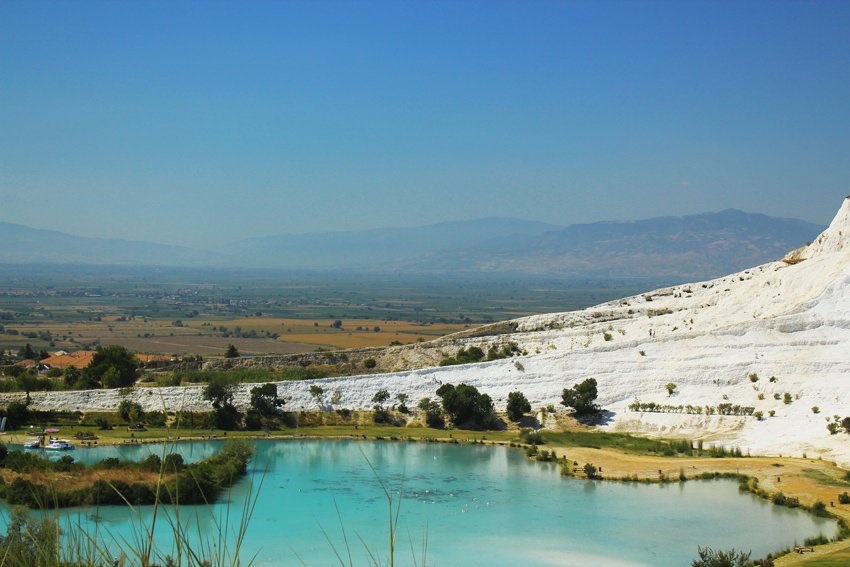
(320, 332)
(785, 475)
(80, 479)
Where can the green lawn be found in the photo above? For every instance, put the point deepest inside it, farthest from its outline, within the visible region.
(825, 479)
(599, 440)
(837, 559)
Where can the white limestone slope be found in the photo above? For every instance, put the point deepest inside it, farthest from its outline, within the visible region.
(787, 320)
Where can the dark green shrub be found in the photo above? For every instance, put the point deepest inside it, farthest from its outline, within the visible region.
(518, 405)
(433, 413)
(109, 463)
(819, 539)
(819, 509)
(22, 491)
(253, 420)
(467, 407)
(17, 415)
(581, 398)
(382, 415)
(464, 356)
(195, 419)
(156, 418)
(531, 437)
(151, 463)
(174, 462)
(591, 471)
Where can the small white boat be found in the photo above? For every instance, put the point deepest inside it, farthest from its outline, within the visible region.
(34, 444)
(59, 446)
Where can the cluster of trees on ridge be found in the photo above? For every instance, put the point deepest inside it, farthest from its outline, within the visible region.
(462, 405)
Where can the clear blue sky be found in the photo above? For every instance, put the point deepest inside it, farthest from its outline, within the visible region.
(202, 122)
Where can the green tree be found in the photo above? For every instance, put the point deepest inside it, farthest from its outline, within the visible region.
(590, 471)
(380, 397)
(17, 415)
(671, 387)
(71, 375)
(466, 406)
(517, 405)
(116, 361)
(219, 392)
(130, 411)
(265, 400)
(581, 397)
(318, 395)
(380, 414)
(231, 352)
(28, 382)
(402, 402)
(433, 413)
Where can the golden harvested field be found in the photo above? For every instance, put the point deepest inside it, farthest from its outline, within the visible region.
(354, 333)
(203, 336)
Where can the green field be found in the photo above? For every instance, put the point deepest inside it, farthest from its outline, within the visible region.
(182, 311)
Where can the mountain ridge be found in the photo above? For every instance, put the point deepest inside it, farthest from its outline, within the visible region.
(692, 246)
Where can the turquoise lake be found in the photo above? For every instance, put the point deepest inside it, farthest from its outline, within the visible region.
(480, 506)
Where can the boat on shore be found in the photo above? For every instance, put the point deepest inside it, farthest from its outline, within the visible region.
(59, 445)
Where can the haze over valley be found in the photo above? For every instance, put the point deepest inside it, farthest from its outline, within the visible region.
(555, 283)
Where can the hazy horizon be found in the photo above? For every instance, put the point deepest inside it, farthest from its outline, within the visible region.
(203, 123)
(356, 229)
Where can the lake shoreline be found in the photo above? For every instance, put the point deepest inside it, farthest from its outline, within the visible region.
(793, 477)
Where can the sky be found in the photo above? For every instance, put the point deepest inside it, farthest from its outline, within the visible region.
(204, 122)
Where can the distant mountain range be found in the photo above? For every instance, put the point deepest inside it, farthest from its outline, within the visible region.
(21, 244)
(695, 246)
(371, 248)
(702, 245)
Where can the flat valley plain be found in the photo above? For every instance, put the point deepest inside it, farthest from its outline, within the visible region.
(176, 311)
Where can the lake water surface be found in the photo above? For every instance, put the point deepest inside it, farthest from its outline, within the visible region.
(479, 505)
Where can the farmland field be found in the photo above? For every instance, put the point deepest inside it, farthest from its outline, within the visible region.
(182, 311)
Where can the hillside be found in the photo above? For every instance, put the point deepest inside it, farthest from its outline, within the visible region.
(787, 323)
(378, 247)
(25, 245)
(670, 248)
(694, 246)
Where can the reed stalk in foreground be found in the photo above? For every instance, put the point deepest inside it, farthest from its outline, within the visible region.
(39, 538)
(394, 508)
